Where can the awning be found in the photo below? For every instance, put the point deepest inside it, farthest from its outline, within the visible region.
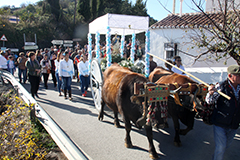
(119, 24)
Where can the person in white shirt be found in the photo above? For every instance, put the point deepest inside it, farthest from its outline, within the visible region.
(84, 74)
(11, 65)
(178, 62)
(3, 62)
(66, 73)
(57, 67)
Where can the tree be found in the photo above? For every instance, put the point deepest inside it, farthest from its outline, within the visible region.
(220, 37)
(100, 8)
(94, 9)
(55, 8)
(83, 8)
(112, 6)
(126, 8)
(140, 8)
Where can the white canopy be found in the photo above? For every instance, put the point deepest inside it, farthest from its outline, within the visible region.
(119, 24)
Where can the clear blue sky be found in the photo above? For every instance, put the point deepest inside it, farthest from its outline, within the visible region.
(154, 8)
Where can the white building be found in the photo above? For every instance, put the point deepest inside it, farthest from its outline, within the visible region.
(213, 5)
(173, 36)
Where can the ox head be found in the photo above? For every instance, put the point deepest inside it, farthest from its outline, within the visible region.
(190, 96)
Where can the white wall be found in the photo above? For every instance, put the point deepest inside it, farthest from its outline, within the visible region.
(182, 36)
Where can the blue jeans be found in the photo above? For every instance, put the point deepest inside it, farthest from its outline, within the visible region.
(67, 83)
(11, 70)
(59, 83)
(24, 72)
(223, 137)
(84, 83)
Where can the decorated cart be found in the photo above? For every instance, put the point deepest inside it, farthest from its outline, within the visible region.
(115, 24)
(118, 25)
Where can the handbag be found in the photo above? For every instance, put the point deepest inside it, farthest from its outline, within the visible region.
(48, 71)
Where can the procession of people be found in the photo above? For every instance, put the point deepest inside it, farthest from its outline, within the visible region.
(61, 65)
(65, 65)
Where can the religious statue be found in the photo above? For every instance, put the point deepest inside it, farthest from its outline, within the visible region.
(116, 44)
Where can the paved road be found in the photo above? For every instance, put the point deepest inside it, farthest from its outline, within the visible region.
(102, 141)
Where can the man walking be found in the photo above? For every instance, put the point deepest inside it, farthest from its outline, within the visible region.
(226, 114)
(22, 69)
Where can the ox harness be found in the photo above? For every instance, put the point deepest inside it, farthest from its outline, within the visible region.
(156, 98)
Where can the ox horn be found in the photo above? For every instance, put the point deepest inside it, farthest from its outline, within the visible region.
(175, 91)
(197, 101)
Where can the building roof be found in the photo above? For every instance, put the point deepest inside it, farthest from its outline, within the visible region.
(188, 20)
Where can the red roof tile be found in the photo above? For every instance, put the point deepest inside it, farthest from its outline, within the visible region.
(188, 20)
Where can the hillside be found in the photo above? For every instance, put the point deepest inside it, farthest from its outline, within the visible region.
(60, 19)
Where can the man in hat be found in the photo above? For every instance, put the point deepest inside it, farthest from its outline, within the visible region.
(226, 113)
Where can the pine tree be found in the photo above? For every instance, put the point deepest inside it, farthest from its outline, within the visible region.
(140, 8)
(100, 8)
(83, 8)
(126, 7)
(55, 8)
(94, 9)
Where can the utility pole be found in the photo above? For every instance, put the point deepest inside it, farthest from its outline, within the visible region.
(174, 4)
(181, 1)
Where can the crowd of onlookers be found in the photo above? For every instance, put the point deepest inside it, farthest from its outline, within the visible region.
(36, 66)
(64, 64)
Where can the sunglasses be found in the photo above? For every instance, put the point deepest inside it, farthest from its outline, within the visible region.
(179, 60)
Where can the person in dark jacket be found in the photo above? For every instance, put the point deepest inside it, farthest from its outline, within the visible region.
(22, 69)
(226, 114)
(33, 72)
(153, 64)
(53, 68)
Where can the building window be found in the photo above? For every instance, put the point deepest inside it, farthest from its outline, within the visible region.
(171, 50)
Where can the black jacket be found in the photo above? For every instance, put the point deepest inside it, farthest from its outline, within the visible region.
(227, 112)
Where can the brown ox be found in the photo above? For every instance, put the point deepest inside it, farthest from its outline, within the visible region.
(157, 73)
(177, 112)
(118, 88)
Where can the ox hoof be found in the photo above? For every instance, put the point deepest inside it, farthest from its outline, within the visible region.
(100, 117)
(182, 132)
(117, 125)
(177, 144)
(153, 156)
(128, 145)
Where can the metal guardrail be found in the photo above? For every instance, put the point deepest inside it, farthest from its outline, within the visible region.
(68, 147)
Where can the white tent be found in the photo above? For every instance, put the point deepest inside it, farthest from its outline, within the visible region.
(119, 24)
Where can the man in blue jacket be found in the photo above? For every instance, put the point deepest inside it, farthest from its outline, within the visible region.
(226, 114)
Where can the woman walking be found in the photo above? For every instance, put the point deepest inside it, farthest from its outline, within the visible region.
(66, 73)
(83, 74)
(57, 64)
(33, 72)
(45, 63)
(39, 56)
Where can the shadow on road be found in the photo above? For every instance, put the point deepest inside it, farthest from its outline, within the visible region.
(66, 107)
(198, 144)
